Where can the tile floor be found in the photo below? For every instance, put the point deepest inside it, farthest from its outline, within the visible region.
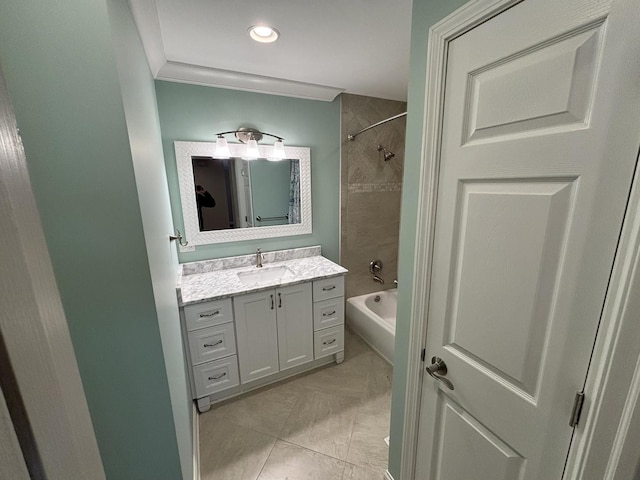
(329, 424)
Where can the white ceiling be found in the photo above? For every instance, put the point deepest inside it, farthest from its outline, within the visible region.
(325, 46)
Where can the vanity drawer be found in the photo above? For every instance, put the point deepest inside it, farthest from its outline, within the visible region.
(328, 313)
(207, 314)
(328, 288)
(328, 341)
(212, 343)
(215, 376)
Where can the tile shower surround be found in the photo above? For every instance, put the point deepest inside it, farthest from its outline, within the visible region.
(328, 424)
(370, 191)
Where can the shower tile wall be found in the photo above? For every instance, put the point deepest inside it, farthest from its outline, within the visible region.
(371, 191)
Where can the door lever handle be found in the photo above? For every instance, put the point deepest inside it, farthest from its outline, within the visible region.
(438, 369)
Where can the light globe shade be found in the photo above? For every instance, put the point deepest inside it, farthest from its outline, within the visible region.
(222, 149)
(252, 150)
(277, 152)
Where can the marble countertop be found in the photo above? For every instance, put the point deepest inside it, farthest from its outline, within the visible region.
(202, 287)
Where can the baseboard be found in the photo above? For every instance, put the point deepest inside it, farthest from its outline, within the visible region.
(195, 427)
(243, 389)
(387, 475)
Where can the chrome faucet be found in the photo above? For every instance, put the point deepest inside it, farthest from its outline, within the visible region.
(259, 258)
(378, 279)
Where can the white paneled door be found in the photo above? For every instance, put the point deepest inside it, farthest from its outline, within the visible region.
(538, 152)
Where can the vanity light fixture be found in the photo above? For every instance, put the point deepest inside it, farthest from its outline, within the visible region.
(250, 137)
(263, 33)
(222, 149)
(252, 150)
(278, 151)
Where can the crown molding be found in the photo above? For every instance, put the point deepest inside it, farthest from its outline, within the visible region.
(213, 77)
(145, 15)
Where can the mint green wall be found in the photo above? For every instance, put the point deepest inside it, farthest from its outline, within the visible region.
(143, 126)
(425, 14)
(197, 113)
(58, 58)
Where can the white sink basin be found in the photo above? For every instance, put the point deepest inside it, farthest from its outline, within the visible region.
(264, 274)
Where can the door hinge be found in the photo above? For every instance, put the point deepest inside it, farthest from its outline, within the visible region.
(578, 402)
(422, 355)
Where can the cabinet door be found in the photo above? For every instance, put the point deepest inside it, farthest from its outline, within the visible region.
(256, 334)
(295, 325)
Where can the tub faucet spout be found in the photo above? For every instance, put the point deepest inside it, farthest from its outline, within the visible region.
(378, 279)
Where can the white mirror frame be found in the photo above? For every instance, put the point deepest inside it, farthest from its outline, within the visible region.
(186, 150)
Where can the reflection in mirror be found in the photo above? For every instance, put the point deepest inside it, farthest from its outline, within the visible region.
(232, 199)
(236, 193)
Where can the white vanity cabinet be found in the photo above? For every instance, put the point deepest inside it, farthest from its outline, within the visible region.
(209, 337)
(274, 330)
(238, 338)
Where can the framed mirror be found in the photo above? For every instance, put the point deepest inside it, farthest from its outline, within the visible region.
(228, 200)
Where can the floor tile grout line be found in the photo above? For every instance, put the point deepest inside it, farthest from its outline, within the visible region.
(259, 433)
(359, 405)
(366, 467)
(355, 418)
(312, 450)
(344, 467)
(317, 451)
(284, 424)
(266, 459)
(362, 391)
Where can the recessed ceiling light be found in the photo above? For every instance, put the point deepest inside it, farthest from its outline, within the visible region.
(263, 33)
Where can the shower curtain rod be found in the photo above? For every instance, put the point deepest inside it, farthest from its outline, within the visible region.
(353, 136)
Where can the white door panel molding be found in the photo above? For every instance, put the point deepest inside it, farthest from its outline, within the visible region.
(529, 154)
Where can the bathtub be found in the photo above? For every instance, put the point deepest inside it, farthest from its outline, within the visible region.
(375, 321)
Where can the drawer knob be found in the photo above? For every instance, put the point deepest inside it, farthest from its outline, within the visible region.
(329, 342)
(219, 376)
(212, 314)
(213, 344)
(329, 314)
(326, 289)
